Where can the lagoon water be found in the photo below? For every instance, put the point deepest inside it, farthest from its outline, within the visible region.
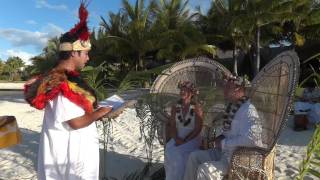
(10, 93)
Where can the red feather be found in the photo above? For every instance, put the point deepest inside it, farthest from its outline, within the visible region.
(81, 29)
(42, 98)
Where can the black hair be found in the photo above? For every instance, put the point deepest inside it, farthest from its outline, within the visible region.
(64, 55)
(67, 37)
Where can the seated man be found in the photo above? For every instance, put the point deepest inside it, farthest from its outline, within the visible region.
(241, 128)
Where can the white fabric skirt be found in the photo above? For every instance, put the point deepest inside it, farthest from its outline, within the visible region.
(176, 157)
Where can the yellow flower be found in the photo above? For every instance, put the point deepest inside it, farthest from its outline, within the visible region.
(299, 40)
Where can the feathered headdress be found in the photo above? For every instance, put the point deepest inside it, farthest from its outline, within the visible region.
(78, 38)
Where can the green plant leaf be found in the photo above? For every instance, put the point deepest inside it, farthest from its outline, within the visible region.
(314, 172)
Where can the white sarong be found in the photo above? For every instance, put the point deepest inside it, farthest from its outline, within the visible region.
(176, 156)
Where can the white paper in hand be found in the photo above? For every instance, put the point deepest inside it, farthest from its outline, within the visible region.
(114, 101)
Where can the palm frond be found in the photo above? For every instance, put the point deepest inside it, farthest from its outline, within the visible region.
(92, 76)
(135, 78)
(311, 163)
(314, 57)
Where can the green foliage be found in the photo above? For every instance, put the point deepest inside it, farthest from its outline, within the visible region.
(95, 78)
(176, 35)
(2, 67)
(136, 78)
(13, 68)
(311, 163)
(143, 35)
(312, 58)
(47, 59)
(136, 35)
(306, 18)
(315, 75)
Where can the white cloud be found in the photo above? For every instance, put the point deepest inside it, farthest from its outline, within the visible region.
(31, 22)
(53, 30)
(25, 56)
(19, 37)
(45, 4)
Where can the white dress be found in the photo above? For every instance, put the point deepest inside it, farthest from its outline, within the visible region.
(177, 156)
(64, 153)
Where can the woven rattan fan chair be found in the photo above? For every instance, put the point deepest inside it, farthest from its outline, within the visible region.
(207, 75)
(272, 94)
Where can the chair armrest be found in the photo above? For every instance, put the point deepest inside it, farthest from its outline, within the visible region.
(248, 163)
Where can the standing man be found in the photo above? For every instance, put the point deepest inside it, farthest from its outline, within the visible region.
(241, 128)
(69, 144)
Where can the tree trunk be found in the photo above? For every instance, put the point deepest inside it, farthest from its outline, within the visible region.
(257, 62)
(141, 66)
(235, 61)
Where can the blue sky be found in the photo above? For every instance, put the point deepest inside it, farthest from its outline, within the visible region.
(26, 25)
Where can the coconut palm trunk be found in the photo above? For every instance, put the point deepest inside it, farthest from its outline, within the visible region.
(257, 62)
(235, 61)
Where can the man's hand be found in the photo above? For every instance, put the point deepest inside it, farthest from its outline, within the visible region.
(179, 141)
(31, 81)
(88, 118)
(115, 114)
(103, 111)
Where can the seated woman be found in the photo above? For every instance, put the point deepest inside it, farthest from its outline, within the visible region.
(185, 127)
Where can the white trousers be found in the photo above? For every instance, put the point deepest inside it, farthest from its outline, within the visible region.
(176, 158)
(206, 165)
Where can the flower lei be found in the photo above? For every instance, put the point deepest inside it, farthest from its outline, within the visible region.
(230, 111)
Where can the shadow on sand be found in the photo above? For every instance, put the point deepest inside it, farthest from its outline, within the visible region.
(118, 166)
(19, 161)
(295, 138)
(12, 96)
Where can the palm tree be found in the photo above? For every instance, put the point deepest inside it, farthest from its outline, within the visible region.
(13, 66)
(111, 41)
(2, 66)
(221, 30)
(305, 21)
(136, 34)
(47, 59)
(175, 32)
(252, 16)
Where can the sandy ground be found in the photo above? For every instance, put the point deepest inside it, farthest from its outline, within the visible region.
(126, 149)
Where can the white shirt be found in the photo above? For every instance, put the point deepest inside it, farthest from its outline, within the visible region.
(64, 153)
(245, 130)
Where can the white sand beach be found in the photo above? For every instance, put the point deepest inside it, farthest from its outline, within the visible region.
(126, 149)
(11, 85)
